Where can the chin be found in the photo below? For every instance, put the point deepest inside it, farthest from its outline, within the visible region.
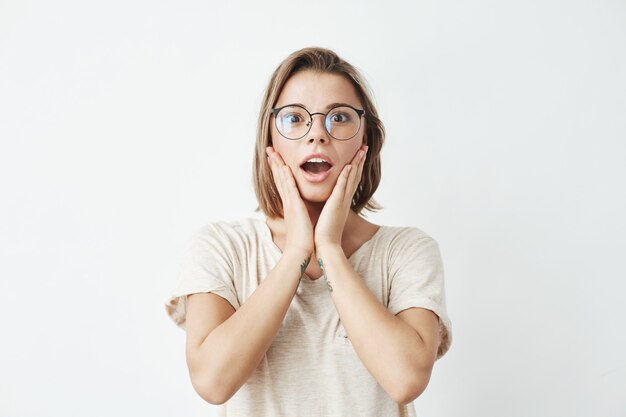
(316, 196)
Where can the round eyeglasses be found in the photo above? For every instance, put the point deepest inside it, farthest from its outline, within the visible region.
(294, 122)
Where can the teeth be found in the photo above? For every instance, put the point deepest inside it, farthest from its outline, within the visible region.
(316, 160)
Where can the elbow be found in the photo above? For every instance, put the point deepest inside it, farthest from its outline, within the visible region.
(407, 394)
(211, 383)
(406, 390)
(213, 392)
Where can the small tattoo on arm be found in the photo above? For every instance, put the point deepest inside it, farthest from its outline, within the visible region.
(321, 264)
(303, 266)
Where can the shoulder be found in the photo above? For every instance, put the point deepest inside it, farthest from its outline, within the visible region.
(404, 243)
(401, 236)
(230, 230)
(228, 236)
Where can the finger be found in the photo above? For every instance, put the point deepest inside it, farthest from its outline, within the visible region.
(277, 175)
(361, 165)
(358, 162)
(286, 176)
(342, 182)
(285, 193)
(290, 182)
(286, 183)
(292, 193)
(279, 159)
(271, 152)
(355, 175)
(358, 156)
(273, 166)
(355, 163)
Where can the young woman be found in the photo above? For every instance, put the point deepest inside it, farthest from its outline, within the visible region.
(314, 311)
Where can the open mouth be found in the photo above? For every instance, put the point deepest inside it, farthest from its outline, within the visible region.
(316, 166)
(316, 169)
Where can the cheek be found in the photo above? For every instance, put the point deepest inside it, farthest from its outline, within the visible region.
(286, 149)
(362, 136)
(349, 151)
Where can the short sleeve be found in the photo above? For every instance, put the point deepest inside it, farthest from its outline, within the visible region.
(206, 266)
(417, 279)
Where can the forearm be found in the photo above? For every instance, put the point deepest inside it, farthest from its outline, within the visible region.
(233, 350)
(391, 350)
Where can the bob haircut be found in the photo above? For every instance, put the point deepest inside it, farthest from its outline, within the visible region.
(327, 61)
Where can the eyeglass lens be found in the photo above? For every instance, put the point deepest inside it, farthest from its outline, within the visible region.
(294, 122)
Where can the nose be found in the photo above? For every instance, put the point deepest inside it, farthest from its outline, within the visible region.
(318, 130)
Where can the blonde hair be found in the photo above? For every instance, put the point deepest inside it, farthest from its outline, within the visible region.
(323, 60)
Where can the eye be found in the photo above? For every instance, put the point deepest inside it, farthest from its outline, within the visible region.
(340, 117)
(292, 118)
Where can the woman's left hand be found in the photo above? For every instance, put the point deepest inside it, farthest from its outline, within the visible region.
(332, 220)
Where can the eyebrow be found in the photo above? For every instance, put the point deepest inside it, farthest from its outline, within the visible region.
(330, 106)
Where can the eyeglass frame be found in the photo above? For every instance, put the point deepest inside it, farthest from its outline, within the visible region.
(276, 110)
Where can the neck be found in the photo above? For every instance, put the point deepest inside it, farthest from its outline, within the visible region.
(314, 209)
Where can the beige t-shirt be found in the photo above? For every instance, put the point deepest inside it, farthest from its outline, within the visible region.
(311, 368)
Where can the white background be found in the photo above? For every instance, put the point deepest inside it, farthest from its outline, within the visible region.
(127, 125)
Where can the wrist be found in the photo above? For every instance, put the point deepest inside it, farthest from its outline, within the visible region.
(325, 249)
(295, 255)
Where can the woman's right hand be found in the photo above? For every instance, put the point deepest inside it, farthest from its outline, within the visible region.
(297, 221)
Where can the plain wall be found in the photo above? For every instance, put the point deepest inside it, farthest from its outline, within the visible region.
(127, 125)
